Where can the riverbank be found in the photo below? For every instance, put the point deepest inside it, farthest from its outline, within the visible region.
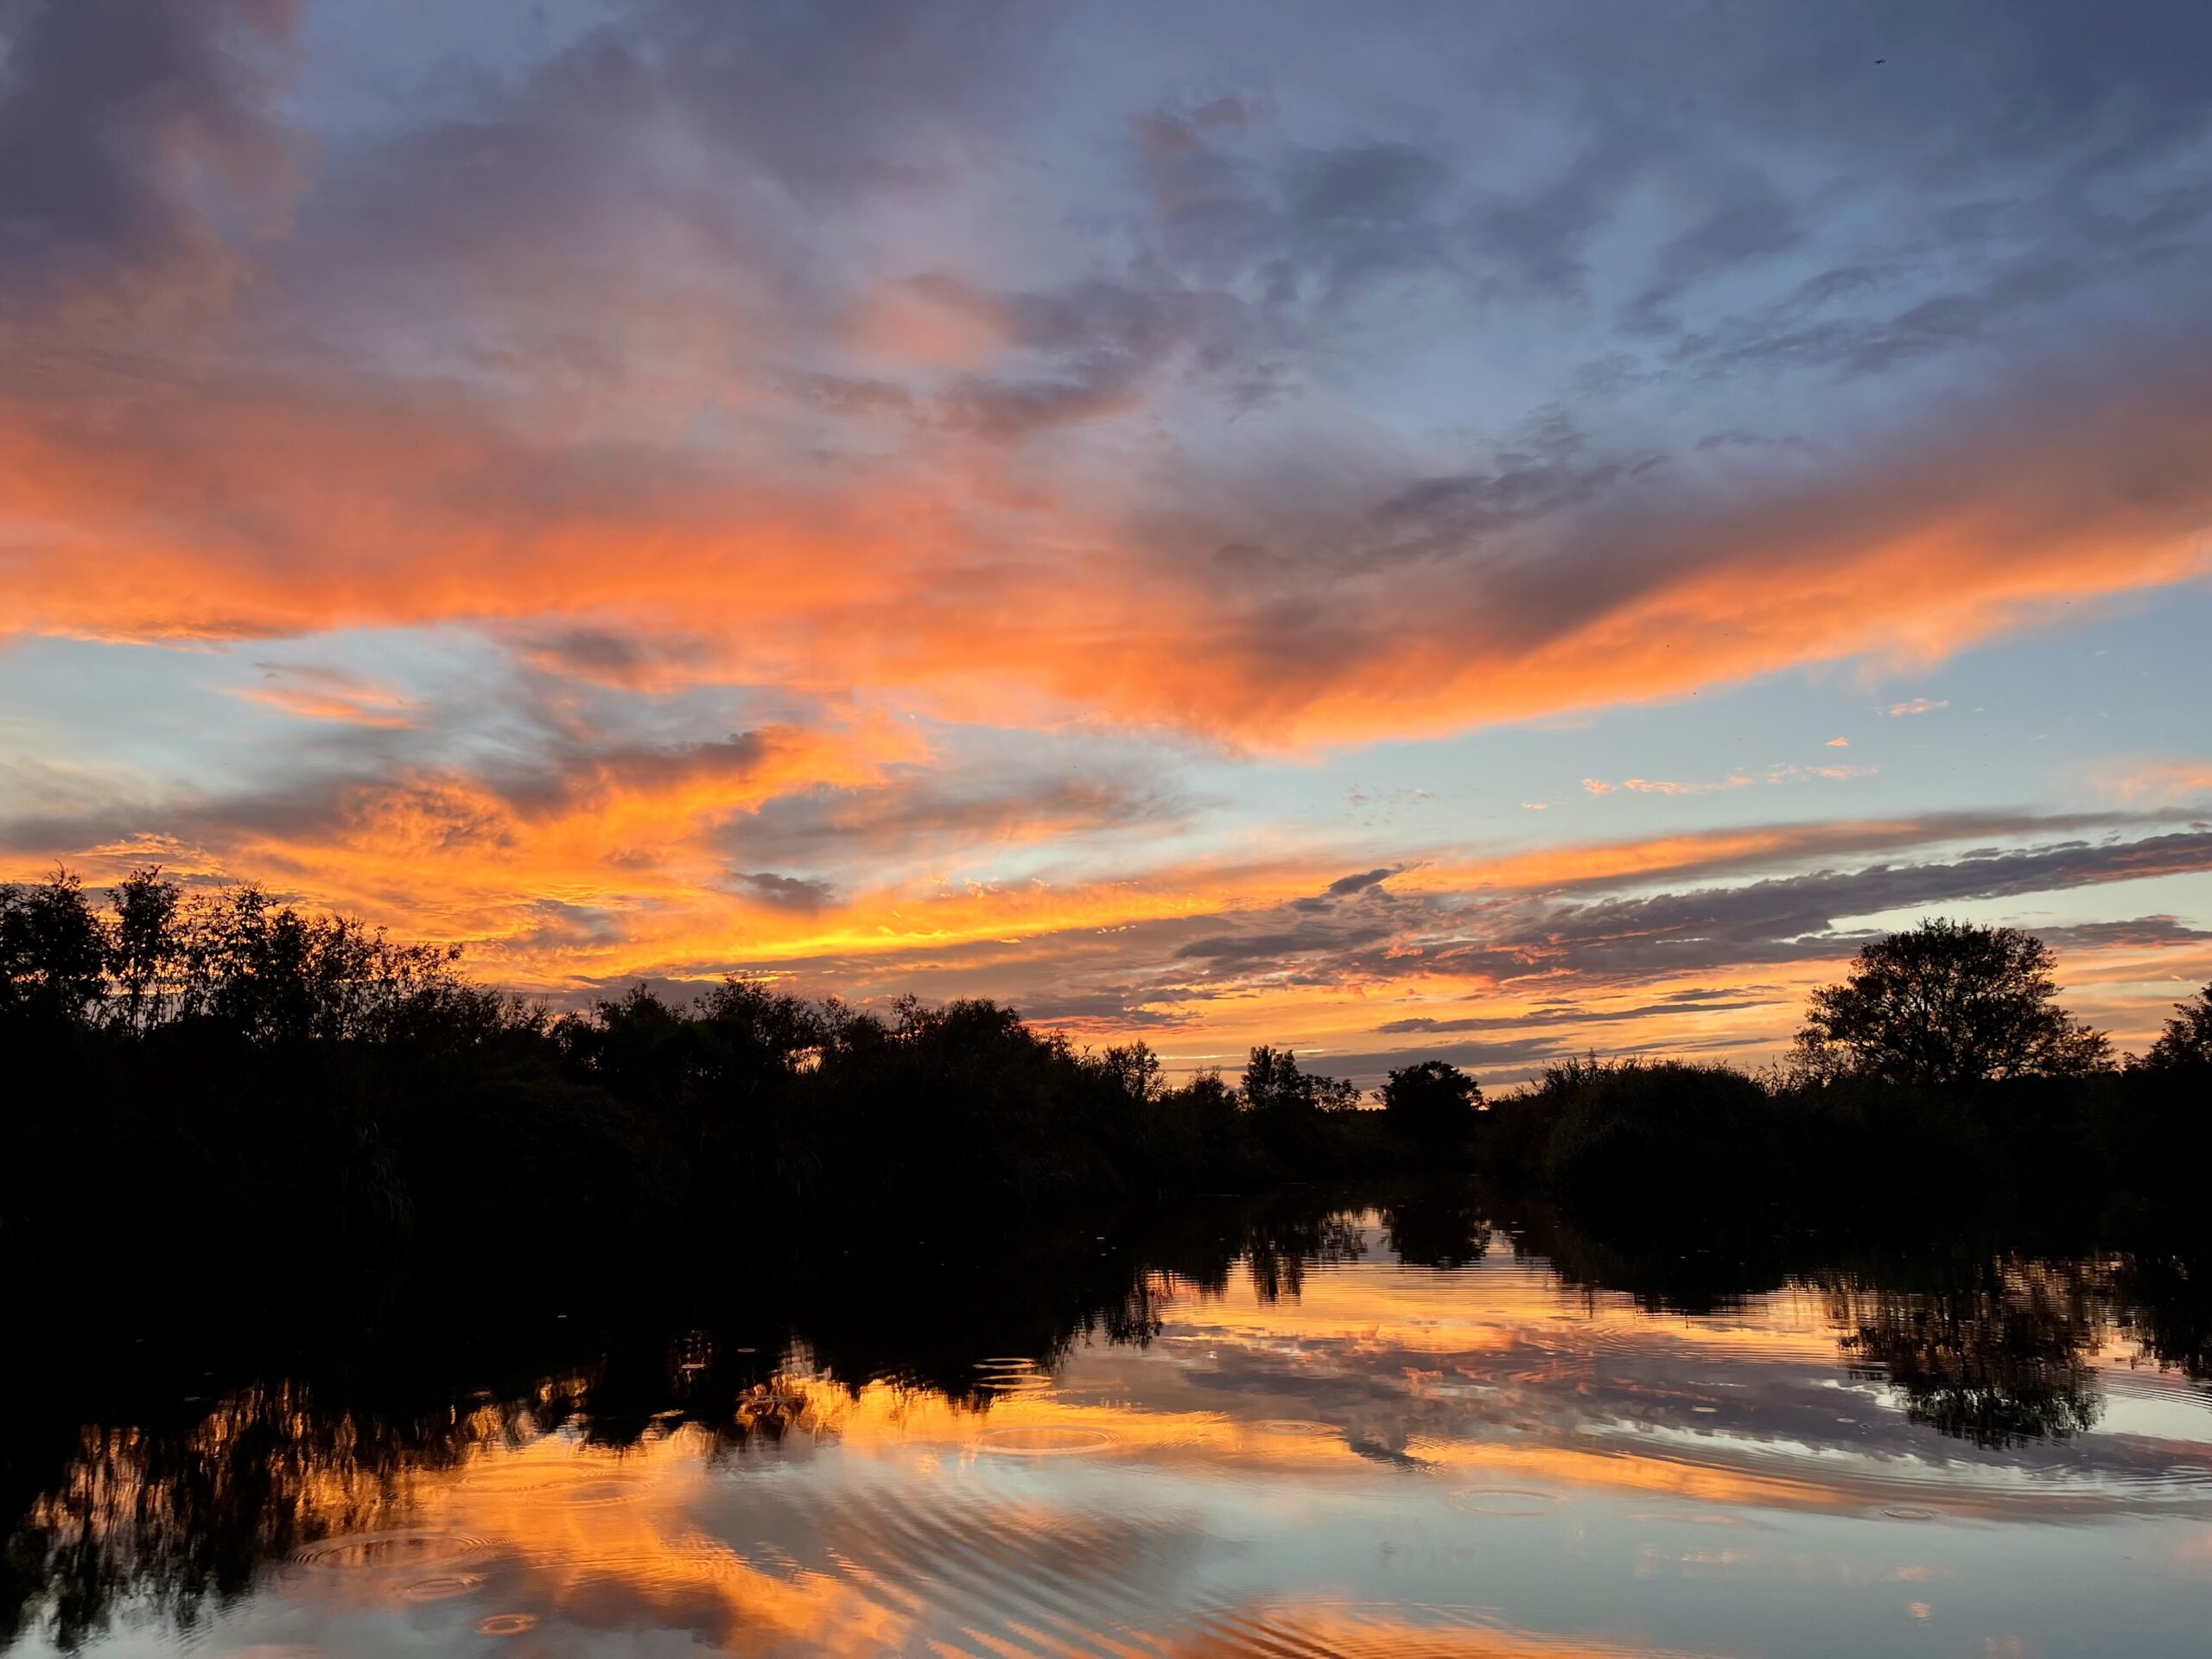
(262, 1082)
(658, 1131)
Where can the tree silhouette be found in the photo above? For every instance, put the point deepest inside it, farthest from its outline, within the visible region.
(1948, 1005)
(1273, 1083)
(2187, 1039)
(1432, 1103)
(142, 949)
(52, 952)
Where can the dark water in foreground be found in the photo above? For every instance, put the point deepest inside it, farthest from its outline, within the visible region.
(1318, 1447)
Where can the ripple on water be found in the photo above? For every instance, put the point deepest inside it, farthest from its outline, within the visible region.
(506, 1624)
(1297, 1428)
(1510, 1502)
(1045, 1442)
(1908, 1512)
(375, 1549)
(589, 1487)
(444, 1587)
(1013, 1375)
(599, 1494)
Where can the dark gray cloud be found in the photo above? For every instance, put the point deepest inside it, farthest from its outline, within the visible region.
(609, 655)
(1752, 220)
(1704, 1002)
(1795, 917)
(1163, 973)
(1345, 886)
(915, 810)
(137, 135)
(786, 892)
(1245, 951)
(572, 772)
(333, 782)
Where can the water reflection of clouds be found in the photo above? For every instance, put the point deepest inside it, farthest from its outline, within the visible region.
(1062, 1518)
(1474, 1461)
(1746, 1408)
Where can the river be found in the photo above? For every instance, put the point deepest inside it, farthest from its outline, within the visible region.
(1364, 1431)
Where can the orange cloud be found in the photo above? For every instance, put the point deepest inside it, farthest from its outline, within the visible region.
(312, 693)
(549, 906)
(1016, 587)
(2171, 780)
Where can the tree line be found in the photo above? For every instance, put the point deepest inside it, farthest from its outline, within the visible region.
(289, 1069)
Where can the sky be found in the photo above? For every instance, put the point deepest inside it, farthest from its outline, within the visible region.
(1483, 530)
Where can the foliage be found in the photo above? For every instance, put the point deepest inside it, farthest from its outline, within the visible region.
(1948, 1005)
(1273, 1083)
(1636, 1122)
(291, 1075)
(52, 953)
(234, 961)
(2186, 1043)
(1433, 1104)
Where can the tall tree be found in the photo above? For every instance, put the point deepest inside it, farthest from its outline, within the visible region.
(2187, 1039)
(51, 951)
(1948, 1005)
(1272, 1082)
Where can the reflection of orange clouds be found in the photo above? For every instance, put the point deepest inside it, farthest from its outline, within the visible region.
(1424, 1312)
(616, 1544)
(2193, 1557)
(1353, 1631)
(606, 1557)
(1645, 1471)
(1124, 1504)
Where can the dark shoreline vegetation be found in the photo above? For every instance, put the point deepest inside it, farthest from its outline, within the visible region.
(269, 1074)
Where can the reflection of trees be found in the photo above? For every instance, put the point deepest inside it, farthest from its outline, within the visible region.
(1997, 1350)
(1281, 1246)
(182, 1511)
(1667, 1261)
(2000, 1356)
(185, 1515)
(2167, 1306)
(1437, 1231)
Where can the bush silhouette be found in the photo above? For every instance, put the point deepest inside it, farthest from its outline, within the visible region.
(1433, 1104)
(1637, 1122)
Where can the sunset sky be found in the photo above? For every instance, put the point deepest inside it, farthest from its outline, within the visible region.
(1478, 529)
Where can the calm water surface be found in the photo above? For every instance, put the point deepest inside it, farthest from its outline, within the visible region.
(1323, 1449)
